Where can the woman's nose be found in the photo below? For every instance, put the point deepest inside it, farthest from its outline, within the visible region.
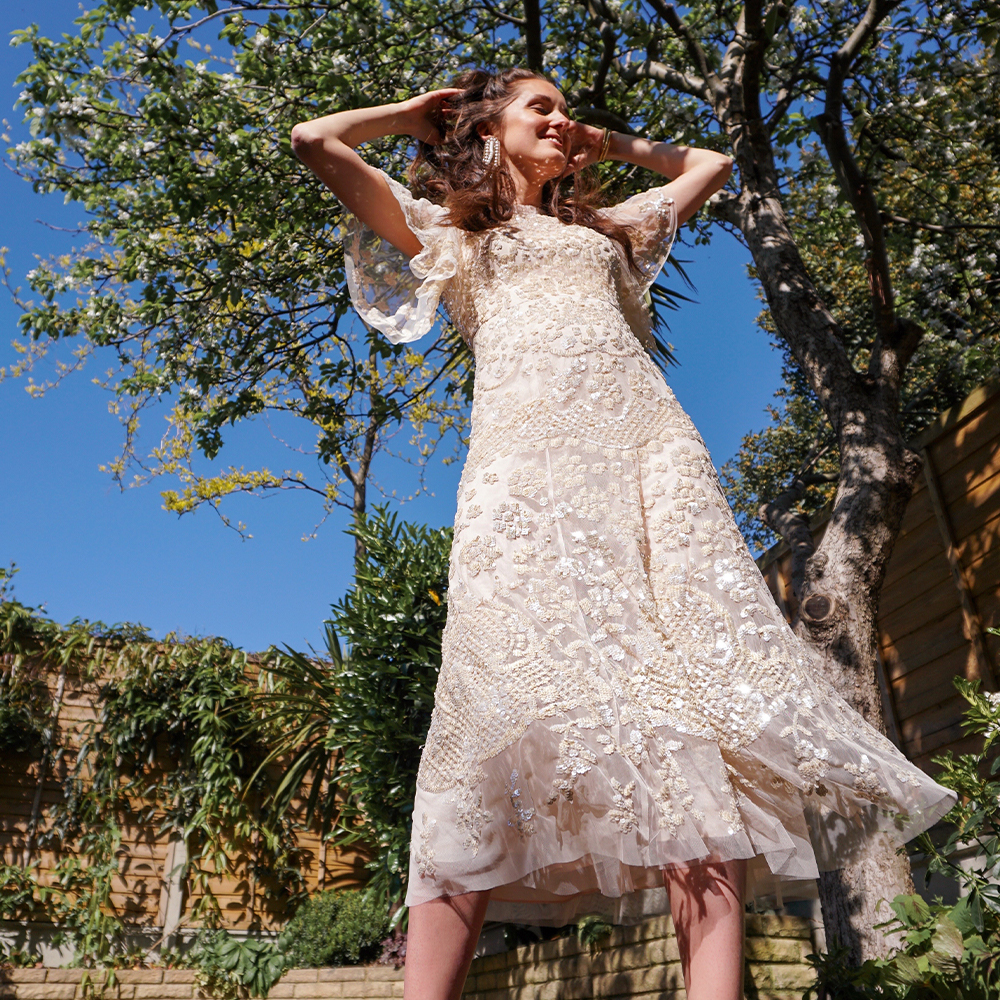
(560, 121)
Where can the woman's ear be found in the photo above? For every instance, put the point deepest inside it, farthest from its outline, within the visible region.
(484, 129)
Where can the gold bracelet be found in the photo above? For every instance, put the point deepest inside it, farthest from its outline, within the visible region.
(605, 145)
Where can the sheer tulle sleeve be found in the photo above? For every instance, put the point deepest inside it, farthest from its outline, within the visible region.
(652, 218)
(397, 296)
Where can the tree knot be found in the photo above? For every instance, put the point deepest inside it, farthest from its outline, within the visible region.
(817, 609)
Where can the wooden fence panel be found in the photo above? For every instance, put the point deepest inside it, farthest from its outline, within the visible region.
(942, 584)
(142, 892)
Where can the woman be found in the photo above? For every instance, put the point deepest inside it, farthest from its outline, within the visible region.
(620, 706)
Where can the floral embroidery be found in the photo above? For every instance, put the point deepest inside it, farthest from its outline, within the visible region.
(623, 810)
(511, 519)
(812, 760)
(480, 554)
(470, 818)
(527, 481)
(866, 779)
(423, 858)
(575, 760)
(523, 815)
(601, 600)
(604, 388)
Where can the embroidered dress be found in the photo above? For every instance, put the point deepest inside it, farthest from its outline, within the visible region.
(618, 690)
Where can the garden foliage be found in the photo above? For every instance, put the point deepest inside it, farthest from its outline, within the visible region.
(172, 750)
(950, 951)
(359, 720)
(228, 968)
(336, 928)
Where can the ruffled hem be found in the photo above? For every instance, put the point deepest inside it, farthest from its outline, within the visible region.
(603, 850)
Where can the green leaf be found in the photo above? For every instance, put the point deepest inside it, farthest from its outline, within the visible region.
(771, 21)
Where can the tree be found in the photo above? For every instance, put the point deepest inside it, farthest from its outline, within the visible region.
(938, 170)
(214, 275)
(740, 76)
(752, 71)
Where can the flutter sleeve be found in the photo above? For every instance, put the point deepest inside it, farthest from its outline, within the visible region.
(395, 295)
(652, 219)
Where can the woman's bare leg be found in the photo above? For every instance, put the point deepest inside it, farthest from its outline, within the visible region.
(706, 902)
(440, 943)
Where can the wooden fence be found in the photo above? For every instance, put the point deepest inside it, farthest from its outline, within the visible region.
(942, 586)
(148, 892)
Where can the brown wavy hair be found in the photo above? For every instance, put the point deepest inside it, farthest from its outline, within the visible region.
(451, 173)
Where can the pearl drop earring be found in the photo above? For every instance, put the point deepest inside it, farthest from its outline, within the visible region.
(491, 153)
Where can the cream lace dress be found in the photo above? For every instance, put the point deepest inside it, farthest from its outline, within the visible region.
(618, 691)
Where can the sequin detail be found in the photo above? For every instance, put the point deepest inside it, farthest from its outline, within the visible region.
(606, 622)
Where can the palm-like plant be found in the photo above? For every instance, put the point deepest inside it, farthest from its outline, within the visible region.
(347, 728)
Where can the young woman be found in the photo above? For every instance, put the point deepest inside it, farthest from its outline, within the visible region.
(621, 708)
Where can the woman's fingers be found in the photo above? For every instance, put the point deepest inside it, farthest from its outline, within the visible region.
(428, 107)
(585, 142)
(436, 98)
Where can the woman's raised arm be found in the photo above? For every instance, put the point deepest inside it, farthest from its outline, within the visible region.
(326, 146)
(696, 174)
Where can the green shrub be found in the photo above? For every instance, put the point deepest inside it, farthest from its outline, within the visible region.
(360, 720)
(230, 969)
(593, 931)
(949, 952)
(19, 730)
(336, 928)
(18, 958)
(24, 699)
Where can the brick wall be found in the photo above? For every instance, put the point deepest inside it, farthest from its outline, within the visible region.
(638, 962)
(641, 962)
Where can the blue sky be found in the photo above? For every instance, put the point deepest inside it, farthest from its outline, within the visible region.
(87, 549)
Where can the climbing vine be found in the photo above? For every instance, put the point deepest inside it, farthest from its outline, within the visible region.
(172, 750)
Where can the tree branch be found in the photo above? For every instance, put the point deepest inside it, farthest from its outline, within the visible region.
(732, 61)
(610, 41)
(756, 47)
(802, 318)
(604, 21)
(603, 118)
(890, 357)
(793, 528)
(533, 34)
(650, 69)
(695, 50)
(725, 206)
(846, 168)
(501, 16)
(951, 227)
(788, 92)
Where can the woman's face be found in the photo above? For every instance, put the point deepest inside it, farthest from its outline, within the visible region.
(534, 130)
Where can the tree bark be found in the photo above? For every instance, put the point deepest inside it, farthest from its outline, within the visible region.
(840, 581)
(533, 34)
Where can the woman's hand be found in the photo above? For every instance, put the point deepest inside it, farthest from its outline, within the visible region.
(423, 114)
(585, 146)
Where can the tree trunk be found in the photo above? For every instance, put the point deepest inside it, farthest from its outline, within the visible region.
(838, 615)
(841, 580)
